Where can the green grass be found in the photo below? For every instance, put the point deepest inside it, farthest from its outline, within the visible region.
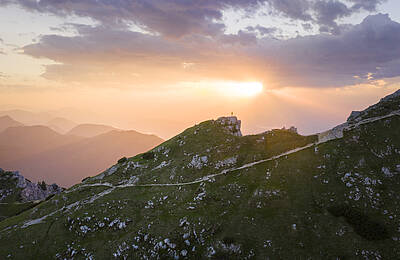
(281, 209)
(12, 209)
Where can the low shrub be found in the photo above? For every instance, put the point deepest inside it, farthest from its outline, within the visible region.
(362, 224)
(148, 156)
(122, 160)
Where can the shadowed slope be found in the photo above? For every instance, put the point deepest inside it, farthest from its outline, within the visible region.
(6, 122)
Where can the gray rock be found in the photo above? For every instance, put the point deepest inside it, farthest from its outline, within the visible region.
(389, 97)
(28, 190)
(34, 191)
(232, 124)
(293, 129)
(354, 115)
(334, 133)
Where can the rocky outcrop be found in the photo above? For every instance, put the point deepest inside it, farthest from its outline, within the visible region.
(386, 105)
(293, 129)
(391, 96)
(334, 133)
(354, 116)
(231, 123)
(28, 191)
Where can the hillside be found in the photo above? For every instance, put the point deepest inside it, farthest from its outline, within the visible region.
(6, 122)
(69, 164)
(90, 130)
(211, 193)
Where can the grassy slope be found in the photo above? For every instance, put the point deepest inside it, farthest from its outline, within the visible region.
(286, 208)
(11, 204)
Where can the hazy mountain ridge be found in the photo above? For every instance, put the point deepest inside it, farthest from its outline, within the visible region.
(6, 122)
(208, 193)
(27, 117)
(86, 157)
(90, 130)
(43, 152)
(22, 141)
(61, 125)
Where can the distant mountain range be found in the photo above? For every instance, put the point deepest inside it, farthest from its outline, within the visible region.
(22, 141)
(42, 153)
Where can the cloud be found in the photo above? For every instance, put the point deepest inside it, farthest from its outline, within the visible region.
(295, 9)
(368, 5)
(177, 18)
(104, 56)
(101, 55)
(171, 18)
(263, 31)
(1, 49)
(335, 60)
(328, 12)
(307, 27)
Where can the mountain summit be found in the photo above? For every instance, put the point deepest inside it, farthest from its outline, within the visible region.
(211, 193)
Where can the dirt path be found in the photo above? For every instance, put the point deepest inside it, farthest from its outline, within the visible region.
(203, 179)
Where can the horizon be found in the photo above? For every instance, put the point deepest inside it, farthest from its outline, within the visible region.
(52, 115)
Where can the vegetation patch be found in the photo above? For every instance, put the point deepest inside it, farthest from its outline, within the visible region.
(122, 160)
(363, 225)
(148, 156)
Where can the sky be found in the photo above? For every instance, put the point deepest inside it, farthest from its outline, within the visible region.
(160, 66)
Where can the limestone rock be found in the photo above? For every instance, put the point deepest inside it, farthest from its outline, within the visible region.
(391, 96)
(232, 124)
(27, 190)
(353, 116)
(334, 133)
(34, 191)
(293, 129)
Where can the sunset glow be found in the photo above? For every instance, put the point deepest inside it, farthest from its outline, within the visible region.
(115, 64)
(241, 89)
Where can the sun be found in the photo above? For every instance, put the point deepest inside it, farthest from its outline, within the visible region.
(246, 89)
(238, 88)
(233, 89)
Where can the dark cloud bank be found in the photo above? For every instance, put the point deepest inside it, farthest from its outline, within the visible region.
(192, 31)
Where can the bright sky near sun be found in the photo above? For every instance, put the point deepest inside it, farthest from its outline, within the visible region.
(274, 64)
